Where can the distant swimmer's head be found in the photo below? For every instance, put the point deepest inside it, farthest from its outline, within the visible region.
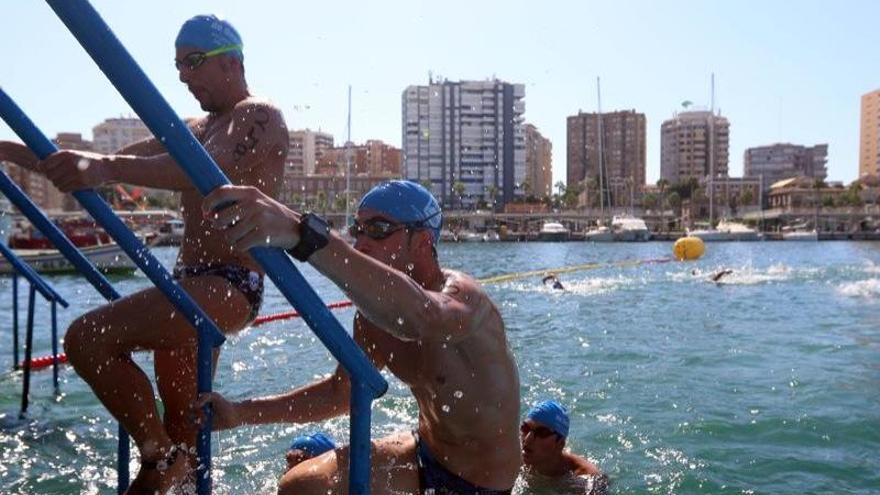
(552, 415)
(395, 207)
(208, 55)
(543, 433)
(305, 447)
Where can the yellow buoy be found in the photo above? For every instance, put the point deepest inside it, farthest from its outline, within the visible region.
(688, 248)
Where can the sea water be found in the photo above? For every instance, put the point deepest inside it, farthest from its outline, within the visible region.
(766, 382)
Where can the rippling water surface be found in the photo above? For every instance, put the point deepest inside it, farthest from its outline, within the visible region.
(768, 382)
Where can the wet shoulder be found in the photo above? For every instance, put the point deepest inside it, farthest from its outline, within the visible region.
(259, 109)
(468, 290)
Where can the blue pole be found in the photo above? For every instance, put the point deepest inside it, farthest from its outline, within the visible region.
(359, 439)
(32, 277)
(15, 360)
(29, 341)
(55, 347)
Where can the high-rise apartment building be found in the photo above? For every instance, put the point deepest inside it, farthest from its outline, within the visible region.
(306, 148)
(686, 145)
(539, 163)
(869, 143)
(783, 161)
(112, 134)
(465, 139)
(623, 148)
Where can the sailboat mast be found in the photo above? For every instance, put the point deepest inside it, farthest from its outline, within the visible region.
(712, 154)
(348, 163)
(601, 152)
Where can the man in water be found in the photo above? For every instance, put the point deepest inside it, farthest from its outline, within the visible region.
(247, 138)
(542, 435)
(305, 447)
(435, 329)
(716, 277)
(554, 280)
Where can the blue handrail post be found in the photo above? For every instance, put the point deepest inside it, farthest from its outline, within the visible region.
(29, 340)
(55, 347)
(209, 334)
(15, 360)
(25, 128)
(359, 438)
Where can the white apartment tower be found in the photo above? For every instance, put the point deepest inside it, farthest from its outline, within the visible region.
(465, 138)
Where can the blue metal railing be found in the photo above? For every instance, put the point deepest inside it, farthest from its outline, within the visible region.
(367, 384)
(22, 125)
(209, 334)
(37, 284)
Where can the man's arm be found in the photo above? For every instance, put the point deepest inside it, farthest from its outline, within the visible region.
(402, 307)
(256, 130)
(18, 154)
(318, 401)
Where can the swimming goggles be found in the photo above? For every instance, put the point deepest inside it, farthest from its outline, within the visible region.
(538, 431)
(194, 60)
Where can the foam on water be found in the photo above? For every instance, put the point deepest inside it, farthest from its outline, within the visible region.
(868, 289)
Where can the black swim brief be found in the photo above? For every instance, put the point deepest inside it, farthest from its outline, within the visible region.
(434, 479)
(247, 281)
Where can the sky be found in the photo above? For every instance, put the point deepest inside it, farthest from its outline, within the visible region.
(785, 71)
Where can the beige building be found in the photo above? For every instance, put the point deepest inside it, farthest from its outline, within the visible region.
(112, 134)
(869, 146)
(375, 158)
(322, 193)
(539, 162)
(306, 148)
(784, 160)
(685, 143)
(623, 146)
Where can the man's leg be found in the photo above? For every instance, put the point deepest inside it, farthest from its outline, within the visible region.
(99, 345)
(394, 469)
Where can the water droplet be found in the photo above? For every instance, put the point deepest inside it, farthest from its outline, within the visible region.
(400, 320)
(458, 394)
(445, 408)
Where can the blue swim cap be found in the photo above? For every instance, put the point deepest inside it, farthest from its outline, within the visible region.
(551, 414)
(207, 32)
(406, 202)
(314, 445)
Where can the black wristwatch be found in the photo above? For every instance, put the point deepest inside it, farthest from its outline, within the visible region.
(314, 234)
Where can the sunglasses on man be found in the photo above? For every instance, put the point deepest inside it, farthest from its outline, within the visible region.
(538, 431)
(194, 60)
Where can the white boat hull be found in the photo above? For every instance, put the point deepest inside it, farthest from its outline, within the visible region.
(108, 258)
(811, 236)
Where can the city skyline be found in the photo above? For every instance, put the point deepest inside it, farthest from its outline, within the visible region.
(782, 74)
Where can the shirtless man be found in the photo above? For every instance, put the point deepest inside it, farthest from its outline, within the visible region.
(248, 139)
(543, 433)
(435, 329)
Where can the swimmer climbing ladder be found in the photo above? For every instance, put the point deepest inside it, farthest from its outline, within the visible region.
(22, 126)
(37, 284)
(109, 54)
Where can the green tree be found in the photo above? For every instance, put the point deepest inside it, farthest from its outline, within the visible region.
(458, 187)
(650, 201)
